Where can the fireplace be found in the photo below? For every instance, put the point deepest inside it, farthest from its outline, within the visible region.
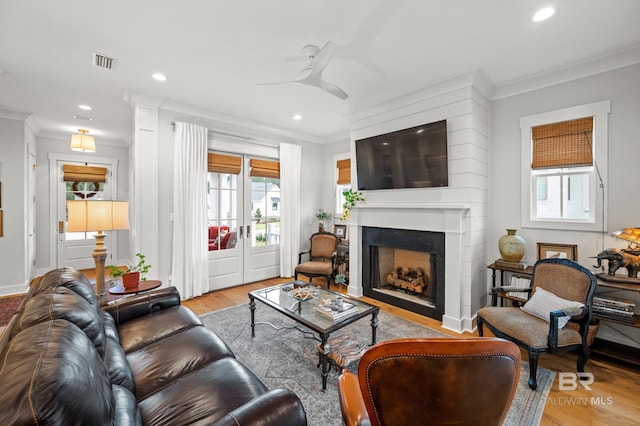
(405, 268)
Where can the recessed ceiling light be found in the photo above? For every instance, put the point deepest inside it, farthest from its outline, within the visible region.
(543, 14)
(297, 117)
(85, 107)
(159, 77)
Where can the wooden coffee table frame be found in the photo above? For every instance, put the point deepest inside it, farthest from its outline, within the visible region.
(317, 327)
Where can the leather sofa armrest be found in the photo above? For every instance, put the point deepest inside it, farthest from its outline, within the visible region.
(128, 308)
(275, 408)
(354, 411)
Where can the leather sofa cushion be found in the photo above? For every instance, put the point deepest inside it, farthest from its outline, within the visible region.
(127, 410)
(145, 330)
(51, 373)
(62, 303)
(117, 366)
(159, 364)
(203, 396)
(68, 278)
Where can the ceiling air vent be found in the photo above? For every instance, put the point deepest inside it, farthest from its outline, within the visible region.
(102, 61)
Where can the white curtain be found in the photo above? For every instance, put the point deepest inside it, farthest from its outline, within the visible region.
(290, 157)
(189, 261)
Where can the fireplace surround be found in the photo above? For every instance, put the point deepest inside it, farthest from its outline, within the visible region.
(405, 268)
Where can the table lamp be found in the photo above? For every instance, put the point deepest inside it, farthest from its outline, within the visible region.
(98, 215)
(632, 235)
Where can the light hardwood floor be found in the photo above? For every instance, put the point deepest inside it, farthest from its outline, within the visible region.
(614, 397)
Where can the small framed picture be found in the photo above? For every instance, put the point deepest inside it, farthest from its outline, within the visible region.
(562, 251)
(340, 231)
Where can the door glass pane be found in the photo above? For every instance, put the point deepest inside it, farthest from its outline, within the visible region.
(222, 211)
(82, 191)
(265, 211)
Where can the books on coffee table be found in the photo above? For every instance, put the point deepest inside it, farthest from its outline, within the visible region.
(334, 311)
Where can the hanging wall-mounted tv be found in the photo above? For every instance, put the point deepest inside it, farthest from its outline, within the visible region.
(409, 158)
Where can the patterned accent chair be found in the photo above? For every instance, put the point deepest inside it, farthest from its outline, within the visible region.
(322, 257)
(433, 381)
(555, 318)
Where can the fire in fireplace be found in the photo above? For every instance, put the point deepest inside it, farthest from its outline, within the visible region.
(404, 268)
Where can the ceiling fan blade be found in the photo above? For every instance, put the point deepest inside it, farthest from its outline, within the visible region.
(334, 90)
(322, 58)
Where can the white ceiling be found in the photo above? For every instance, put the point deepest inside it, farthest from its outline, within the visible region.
(216, 53)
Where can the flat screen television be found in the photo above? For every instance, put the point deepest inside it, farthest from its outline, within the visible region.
(409, 158)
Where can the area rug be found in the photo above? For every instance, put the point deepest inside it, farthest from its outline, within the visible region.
(287, 358)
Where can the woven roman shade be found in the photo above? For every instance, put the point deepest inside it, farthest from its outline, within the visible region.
(219, 163)
(564, 144)
(264, 168)
(74, 173)
(344, 171)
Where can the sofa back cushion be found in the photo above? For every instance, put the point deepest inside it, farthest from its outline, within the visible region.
(50, 373)
(68, 278)
(62, 303)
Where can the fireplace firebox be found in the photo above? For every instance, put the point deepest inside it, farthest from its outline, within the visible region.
(405, 268)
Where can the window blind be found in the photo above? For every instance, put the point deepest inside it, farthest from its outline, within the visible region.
(264, 168)
(344, 171)
(75, 173)
(220, 163)
(563, 144)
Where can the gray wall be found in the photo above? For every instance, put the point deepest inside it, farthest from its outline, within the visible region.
(622, 87)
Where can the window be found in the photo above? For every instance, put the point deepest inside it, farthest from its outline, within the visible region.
(343, 169)
(223, 200)
(564, 168)
(265, 192)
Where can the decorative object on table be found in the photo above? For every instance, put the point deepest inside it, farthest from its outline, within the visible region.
(632, 235)
(304, 293)
(131, 275)
(98, 215)
(336, 309)
(620, 259)
(511, 246)
(351, 197)
(323, 217)
(561, 251)
(340, 231)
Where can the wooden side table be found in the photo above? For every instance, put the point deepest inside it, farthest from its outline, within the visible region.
(143, 286)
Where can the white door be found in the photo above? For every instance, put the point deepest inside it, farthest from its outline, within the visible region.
(74, 249)
(243, 242)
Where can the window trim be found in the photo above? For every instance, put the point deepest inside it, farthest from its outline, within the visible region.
(600, 111)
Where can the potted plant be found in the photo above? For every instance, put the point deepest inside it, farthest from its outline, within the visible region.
(131, 275)
(351, 197)
(322, 217)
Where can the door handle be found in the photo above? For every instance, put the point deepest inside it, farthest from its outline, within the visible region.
(241, 231)
(60, 227)
(248, 231)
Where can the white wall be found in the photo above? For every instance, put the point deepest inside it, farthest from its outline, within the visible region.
(622, 87)
(15, 136)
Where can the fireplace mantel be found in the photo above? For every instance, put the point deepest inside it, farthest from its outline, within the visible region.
(451, 218)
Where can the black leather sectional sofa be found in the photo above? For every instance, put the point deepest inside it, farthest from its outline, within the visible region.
(144, 359)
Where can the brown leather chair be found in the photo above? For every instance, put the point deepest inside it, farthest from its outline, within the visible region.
(563, 278)
(322, 257)
(432, 382)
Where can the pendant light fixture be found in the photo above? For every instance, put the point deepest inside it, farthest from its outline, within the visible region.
(83, 142)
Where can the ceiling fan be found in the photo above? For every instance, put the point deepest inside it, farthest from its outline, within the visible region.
(312, 72)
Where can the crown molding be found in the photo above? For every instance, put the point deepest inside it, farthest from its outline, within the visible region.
(571, 72)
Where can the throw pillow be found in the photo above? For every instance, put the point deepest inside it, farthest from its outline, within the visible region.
(543, 302)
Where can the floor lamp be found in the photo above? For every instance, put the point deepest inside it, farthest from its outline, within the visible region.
(98, 215)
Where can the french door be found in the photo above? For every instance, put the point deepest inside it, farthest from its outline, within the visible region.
(244, 224)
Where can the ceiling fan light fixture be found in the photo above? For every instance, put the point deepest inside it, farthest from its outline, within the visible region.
(82, 142)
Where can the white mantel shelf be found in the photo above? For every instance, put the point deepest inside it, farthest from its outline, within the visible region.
(417, 206)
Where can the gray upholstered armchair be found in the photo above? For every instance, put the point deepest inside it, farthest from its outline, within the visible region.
(322, 257)
(561, 293)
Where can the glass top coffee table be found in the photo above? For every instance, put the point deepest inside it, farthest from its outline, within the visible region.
(301, 306)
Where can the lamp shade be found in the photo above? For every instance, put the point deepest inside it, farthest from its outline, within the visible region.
(83, 142)
(97, 215)
(628, 234)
